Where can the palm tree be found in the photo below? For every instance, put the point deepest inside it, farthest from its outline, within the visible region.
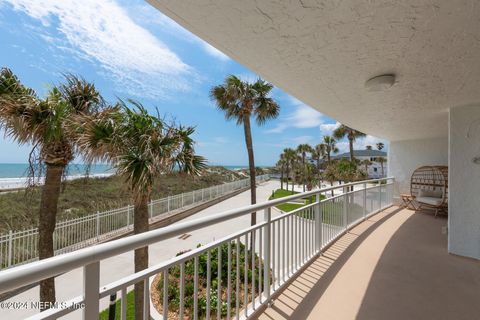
(142, 148)
(330, 146)
(317, 155)
(331, 174)
(380, 146)
(382, 161)
(289, 155)
(303, 149)
(366, 163)
(240, 100)
(45, 123)
(343, 131)
(281, 163)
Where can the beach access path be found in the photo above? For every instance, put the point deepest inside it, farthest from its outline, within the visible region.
(69, 285)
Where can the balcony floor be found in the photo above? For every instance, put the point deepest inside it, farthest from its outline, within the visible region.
(395, 265)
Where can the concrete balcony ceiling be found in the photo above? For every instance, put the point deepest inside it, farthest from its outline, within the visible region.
(323, 52)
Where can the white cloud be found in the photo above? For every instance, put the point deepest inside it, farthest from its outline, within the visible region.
(302, 117)
(151, 15)
(327, 129)
(102, 31)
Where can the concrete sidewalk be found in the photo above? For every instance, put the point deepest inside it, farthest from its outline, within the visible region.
(69, 285)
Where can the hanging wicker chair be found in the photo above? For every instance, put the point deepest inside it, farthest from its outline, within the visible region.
(429, 188)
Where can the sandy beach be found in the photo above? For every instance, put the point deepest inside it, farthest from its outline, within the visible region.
(20, 183)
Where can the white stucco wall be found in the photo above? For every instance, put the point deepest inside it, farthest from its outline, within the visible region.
(464, 181)
(405, 156)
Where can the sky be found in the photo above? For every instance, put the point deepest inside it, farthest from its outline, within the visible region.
(131, 50)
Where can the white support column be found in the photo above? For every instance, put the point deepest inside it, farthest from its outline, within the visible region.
(266, 253)
(318, 224)
(464, 181)
(91, 285)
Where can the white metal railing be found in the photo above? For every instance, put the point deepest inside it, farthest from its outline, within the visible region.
(274, 250)
(18, 247)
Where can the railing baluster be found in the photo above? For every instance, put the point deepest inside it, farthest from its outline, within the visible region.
(266, 249)
(182, 290)
(229, 279)
(123, 305)
(283, 250)
(237, 278)
(253, 268)
(274, 274)
(209, 278)
(165, 294)
(219, 283)
(245, 276)
(195, 288)
(260, 245)
(146, 299)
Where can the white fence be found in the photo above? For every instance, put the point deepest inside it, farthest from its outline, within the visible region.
(274, 250)
(17, 247)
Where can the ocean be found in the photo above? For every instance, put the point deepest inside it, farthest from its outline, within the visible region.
(19, 170)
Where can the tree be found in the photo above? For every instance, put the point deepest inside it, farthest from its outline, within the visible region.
(330, 174)
(380, 146)
(343, 131)
(45, 124)
(289, 155)
(281, 163)
(368, 147)
(240, 100)
(302, 150)
(142, 148)
(382, 161)
(330, 146)
(317, 155)
(366, 163)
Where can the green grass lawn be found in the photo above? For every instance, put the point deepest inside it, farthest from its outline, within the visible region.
(287, 207)
(130, 308)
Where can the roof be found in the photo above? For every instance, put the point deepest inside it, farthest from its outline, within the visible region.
(362, 153)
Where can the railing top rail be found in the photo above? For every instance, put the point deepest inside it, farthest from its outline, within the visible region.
(30, 273)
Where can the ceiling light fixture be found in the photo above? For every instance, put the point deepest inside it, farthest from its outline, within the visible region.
(380, 83)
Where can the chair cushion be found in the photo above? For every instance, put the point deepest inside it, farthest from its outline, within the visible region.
(430, 193)
(433, 201)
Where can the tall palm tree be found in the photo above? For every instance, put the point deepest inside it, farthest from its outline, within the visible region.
(240, 100)
(281, 163)
(330, 146)
(45, 123)
(344, 131)
(382, 161)
(317, 155)
(289, 155)
(142, 148)
(302, 150)
(380, 146)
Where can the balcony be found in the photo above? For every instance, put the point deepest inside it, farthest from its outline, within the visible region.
(395, 265)
(352, 255)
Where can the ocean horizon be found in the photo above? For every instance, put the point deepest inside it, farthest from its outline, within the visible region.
(20, 170)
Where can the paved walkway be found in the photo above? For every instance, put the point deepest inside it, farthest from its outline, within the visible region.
(395, 265)
(69, 285)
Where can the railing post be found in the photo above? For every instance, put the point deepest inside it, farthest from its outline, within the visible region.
(318, 224)
(128, 216)
(168, 203)
(267, 213)
(379, 195)
(10, 247)
(91, 284)
(150, 209)
(345, 194)
(98, 224)
(182, 201)
(364, 201)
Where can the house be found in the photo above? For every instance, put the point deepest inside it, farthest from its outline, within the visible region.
(375, 167)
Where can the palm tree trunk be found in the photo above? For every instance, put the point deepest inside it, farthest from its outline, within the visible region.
(140, 224)
(350, 145)
(46, 226)
(304, 172)
(251, 165)
(281, 178)
(288, 176)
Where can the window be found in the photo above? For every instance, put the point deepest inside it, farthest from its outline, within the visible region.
(374, 169)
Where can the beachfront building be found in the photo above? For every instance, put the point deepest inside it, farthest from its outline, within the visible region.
(405, 71)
